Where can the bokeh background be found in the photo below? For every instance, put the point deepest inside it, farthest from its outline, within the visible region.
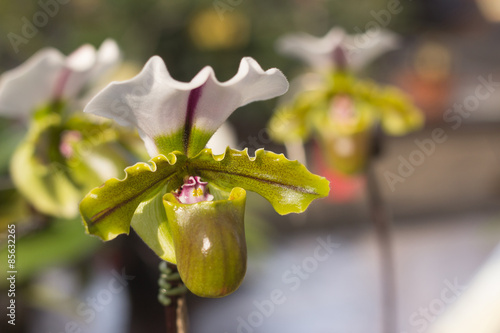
(446, 213)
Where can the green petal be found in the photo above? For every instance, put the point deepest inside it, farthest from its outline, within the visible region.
(293, 122)
(286, 184)
(107, 211)
(399, 114)
(40, 173)
(150, 223)
(176, 141)
(288, 124)
(98, 155)
(209, 239)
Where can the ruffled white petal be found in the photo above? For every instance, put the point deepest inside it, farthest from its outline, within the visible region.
(82, 59)
(77, 71)
(49, 75)
(318, 53)
(158, 105)
(151, 101)
(251, 83)
(29, 85)
(370, 45)
(108, 57)
(87, 65)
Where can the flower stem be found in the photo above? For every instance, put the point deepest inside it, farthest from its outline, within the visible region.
(172, 294)
(381, 220)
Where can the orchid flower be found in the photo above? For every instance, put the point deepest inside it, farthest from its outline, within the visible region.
(188, 204)
(339, 110)
(338, 50)
(49, 76)
(62, 153)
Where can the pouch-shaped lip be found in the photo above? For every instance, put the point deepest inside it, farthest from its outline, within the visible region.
(209, 242)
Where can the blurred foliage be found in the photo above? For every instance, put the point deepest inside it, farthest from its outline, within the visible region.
(10, 136)
(61, 242)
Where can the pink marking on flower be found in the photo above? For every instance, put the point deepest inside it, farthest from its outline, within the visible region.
(193, 191)
(342, 109)
(68, 140)
(61, 83)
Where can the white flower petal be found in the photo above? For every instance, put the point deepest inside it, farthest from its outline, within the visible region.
(87, 65)
(79, 65)
(108, 52)
(319, 53)
(368, 46)
(82, 59)
(160, 106)
(49, 75)
(108, 57)
(251, 83)
(316, 52)
(140, 101)
(24, 88)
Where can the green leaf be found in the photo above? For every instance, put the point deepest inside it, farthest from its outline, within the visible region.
(210, 246)
(107, 211)
(286, 184)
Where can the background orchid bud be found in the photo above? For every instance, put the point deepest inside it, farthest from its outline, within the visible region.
(209, 242)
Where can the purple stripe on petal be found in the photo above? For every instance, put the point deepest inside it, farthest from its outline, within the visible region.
(193, 99)
(61, 82)
(340, 58)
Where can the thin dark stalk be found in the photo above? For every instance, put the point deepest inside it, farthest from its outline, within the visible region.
(173, 296)
(381, 221)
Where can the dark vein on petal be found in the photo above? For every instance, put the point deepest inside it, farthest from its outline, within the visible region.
(193, 99)
(267, 181)
(96, 218)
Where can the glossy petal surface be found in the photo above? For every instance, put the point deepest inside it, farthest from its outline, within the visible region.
(209, 240)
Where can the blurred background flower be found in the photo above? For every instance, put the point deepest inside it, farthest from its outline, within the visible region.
(63, 152)
(441, 183)
(338, 112)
